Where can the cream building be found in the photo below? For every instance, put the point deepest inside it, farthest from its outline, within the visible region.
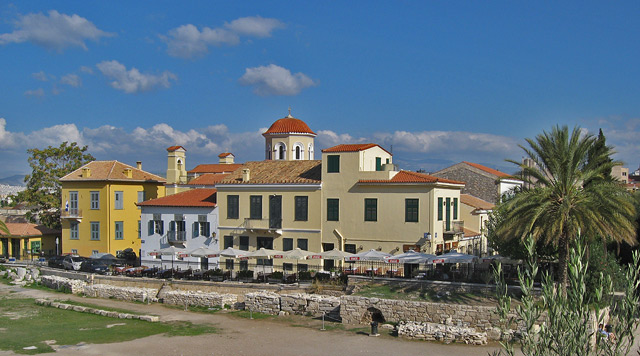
(475, 213)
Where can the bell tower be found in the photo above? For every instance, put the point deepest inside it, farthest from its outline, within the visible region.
(176, 165)
(289, 139)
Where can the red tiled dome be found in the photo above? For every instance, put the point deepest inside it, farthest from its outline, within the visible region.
(289, 124)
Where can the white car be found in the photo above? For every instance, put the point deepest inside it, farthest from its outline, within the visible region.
(72, 262)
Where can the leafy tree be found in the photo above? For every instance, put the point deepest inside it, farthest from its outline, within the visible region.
(43, 186)
(556, 202)
(4, 228)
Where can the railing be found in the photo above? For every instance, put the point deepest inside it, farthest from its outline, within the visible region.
(177, 236)
(453, 227)
(262, 224)
(71, 213)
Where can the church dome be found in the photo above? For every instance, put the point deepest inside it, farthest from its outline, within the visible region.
(289, 125)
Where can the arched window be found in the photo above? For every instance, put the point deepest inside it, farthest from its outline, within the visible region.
(281, 152)
(311, 151)
(179, 165)
(298, 153)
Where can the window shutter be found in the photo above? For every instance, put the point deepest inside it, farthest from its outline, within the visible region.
(161, 227)
(207, 227)
(172, 226)
(195, 229)
(151, 227)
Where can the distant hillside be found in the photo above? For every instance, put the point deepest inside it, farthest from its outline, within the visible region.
(17, 180)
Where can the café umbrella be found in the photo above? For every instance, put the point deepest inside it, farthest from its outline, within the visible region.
(411, 257)
(455, 257)
(171, 251)
(264, 253)
(371, 255)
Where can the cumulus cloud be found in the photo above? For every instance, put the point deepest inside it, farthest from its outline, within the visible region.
(132, 81)
(54, 31)
(275, 80)
(35, 93)
(85, 69)
(72, 80)
(41, 76)
(256, 26)
(187, 41)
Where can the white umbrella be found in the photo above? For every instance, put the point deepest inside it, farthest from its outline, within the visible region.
(203, 252)
(232, 252)
(499, 258)
(334, 254)
(171, 251)
(455, 257)
(411, 257)
(265, 253)
(296, 254)
(371, 255)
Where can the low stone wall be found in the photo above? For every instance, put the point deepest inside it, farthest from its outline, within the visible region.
(199, 298)
(356, 282)
(361, 310)
(121, 293)
(440, 332)
(61, 283)
(263, 302)
(311, 304)
(111, 314)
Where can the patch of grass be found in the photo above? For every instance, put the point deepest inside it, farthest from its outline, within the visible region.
(94, 306)
(28, 324)
(246, 314)
(419, 293)
(196, 308)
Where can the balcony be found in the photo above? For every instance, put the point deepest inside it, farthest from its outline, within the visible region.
(176, 236)
(71, 214)
(453, 227)
(269, 225)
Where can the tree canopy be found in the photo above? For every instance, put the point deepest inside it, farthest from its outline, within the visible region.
(43, 186)
(568, 190)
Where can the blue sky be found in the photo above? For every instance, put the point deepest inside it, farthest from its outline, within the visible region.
(441, 82)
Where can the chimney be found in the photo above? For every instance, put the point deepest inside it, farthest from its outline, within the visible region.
(128, 172)
(139, 165)
(86, 172)
(226, 158)
(246, 174)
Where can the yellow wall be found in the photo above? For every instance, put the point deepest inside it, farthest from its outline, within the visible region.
(107, 215)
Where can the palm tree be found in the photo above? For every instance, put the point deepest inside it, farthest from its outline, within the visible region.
(3, 227)
(568, 190)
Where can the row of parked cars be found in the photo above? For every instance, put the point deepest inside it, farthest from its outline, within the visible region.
(77, 263)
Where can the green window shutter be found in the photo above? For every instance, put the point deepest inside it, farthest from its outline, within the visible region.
(411, 210)
(371, 210)
(333, 164)
(439, 209)
(196, 229)
(378, 163)
(455, 208)
(333, 209)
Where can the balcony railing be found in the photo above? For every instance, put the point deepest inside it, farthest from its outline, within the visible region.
(453, 227)
(71, 213)
(177, 236)
(262, 224)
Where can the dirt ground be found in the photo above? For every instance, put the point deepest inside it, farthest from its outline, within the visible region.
(240, 336)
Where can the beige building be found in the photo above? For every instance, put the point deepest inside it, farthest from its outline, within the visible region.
(475, 213)
(289, 139)
(620, 173)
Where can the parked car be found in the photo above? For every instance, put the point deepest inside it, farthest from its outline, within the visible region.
(72, 262)
(94, 266)
(55, 261)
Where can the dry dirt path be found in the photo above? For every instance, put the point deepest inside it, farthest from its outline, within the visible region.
(240, 336)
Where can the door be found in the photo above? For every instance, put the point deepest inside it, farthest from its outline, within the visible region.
(275, 211)
(204, 263)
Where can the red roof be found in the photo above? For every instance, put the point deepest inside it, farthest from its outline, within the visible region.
(215, 168)
(289, 124)
(488, 170)
(111, 171)
(411, 177)
(208, 179)
(28, 229)
(173, 148)
(189, 198)
(225, 154)
(355, 147)
(476, 202)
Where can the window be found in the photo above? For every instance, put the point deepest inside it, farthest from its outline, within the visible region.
(244, 243)
(455, 208)
(118, 200)
(228, 264)
(139, 229)
(265, 242)
(73, 203)
(95, 252)
(119, 230)
(351, 248)
(228, 242)
(205, 229)
(333, 164)
(411, 210)
(287, 244)
(244, 265)
(95, 200)
(141, 196)
(371, 210)
(303, 244)
(255, 207)
(232, 207)
(302, 208)
(74, 251)
(440, 202)
(156, 226)
(73, 230)
(333, 209)
(299, 151)
(378, 163)
(95, 230)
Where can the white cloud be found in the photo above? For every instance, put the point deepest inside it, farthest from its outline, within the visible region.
(41, 76)
(54, 31)
(7, 139)
(187, 41)
(275, 80)
(85, 69)
(327, 138)
(256, 26)
(36, 93)
(72, 80)
(132, 81)
(56, 134)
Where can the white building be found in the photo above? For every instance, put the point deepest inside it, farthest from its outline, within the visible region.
(186, 220)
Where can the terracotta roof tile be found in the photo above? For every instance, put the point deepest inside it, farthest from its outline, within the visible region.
(111, 171)
(488, 170)
(470, 233)
(354, 147)
(208, 179)
(189, 198)
(173, 148)
(411, 177)
(28, 229)
(278, 172)
(476, 202)
(215, 168)
(225, 154)
(289, 125)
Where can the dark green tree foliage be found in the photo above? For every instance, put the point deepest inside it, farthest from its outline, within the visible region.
(4, 228)
(568, 190)
(43, 186)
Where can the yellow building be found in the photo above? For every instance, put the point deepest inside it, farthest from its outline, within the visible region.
(99, 212)
(28, 241)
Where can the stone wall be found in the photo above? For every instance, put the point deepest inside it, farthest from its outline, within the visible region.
(478, 183)
(60, 283)
(356, 282)
(111, 314)
(440, 332)
(199, 298)
(263, 302)
(311, 304)
(121, 293)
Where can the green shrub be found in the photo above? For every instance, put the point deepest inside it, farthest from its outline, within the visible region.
(245, 274)
(277, 275)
